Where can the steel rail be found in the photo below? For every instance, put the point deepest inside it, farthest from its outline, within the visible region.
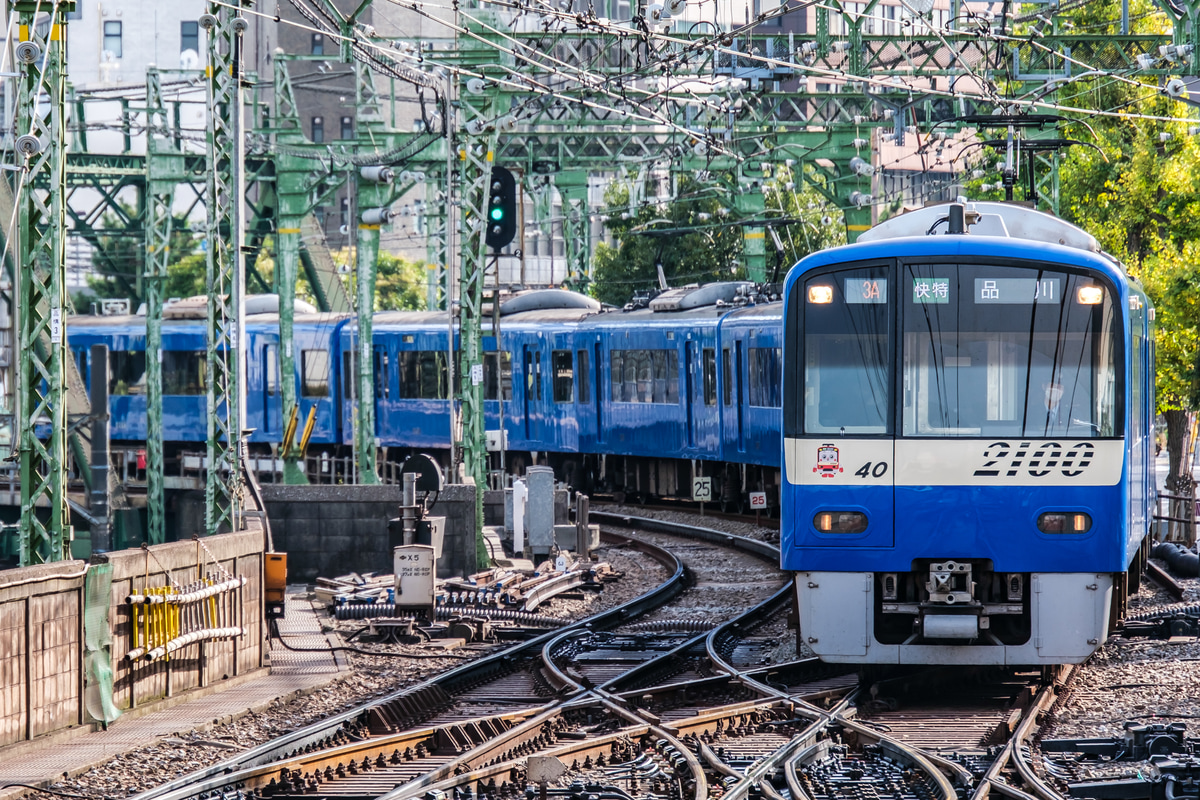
(219, 775)
(1012, 752)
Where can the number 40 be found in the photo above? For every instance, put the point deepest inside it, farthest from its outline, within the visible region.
(877, 470)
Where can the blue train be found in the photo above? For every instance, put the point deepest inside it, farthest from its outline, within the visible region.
(637, 402)
(968, 429)
(954, 417)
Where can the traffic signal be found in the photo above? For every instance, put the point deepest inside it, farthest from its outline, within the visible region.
(501, 219)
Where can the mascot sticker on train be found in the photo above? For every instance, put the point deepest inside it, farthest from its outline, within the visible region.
(827, 461)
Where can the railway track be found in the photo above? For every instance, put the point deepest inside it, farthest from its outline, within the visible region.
(625, 707)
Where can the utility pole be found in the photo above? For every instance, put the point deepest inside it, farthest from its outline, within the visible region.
(40, 147)
(226, 289)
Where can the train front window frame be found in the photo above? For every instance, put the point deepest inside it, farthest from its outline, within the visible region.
(1007, 349)
(849, 351)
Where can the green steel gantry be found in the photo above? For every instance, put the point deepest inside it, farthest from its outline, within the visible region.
(737, 136)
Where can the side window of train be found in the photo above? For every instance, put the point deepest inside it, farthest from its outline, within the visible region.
(422, 374)
(271, 357)
(81, 361)
(314, 373)
(710, 376)
(533, 375)
(645, 376)
(563, 367)
(584, 382)
(497, 380)
(127, 372)
(765, 372)
(349, 379)
(383, 375)
(184, 372)
(727, 375)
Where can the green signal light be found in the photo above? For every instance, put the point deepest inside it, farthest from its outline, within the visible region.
(497, 214)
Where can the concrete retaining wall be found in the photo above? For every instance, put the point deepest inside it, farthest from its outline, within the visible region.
(42, 653)
(334, 530)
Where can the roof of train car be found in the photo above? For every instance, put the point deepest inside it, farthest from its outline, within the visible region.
(756, 313)
(962, 244)
(408, 318)
(644, 316)
(137, 320)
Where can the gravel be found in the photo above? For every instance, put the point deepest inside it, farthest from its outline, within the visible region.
(1143, 681)
(1127, 680)
(371, 676)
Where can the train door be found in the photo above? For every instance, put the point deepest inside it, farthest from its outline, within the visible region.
(534, 418)
(689, 384)
(272, 413)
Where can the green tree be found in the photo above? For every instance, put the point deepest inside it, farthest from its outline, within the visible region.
(697, 240)
(400, 284)
(119, 256)
(689, 237)
(1141, 200)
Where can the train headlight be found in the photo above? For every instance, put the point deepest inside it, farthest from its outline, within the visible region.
(820, 294)
(1064, 522)
(840, 522)
(1090, 295)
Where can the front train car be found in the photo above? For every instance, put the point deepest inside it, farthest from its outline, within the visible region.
(968, 410)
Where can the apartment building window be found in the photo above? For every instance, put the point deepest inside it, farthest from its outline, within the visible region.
(77, 12)
(318, 130)
(189, 36)
(318, 44)
(347, 127)
(112, 38)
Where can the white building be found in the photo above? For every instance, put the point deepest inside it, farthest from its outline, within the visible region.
(111, 42)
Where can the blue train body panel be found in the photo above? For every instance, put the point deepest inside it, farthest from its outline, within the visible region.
(751, 387)
(658, 390)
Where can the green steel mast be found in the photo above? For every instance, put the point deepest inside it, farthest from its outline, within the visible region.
(226, 238)
(41, 383)
(164, 170)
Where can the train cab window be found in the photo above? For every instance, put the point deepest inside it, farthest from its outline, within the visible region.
(563, 366)
(422, 374)
(766, 372)
(710, 376)
(727, 375)
(847, 352)
(584, 383)
(1008, 351)
(645, 376)
(314, 373)
(184, 372)
(127, 372)
(497, 380)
